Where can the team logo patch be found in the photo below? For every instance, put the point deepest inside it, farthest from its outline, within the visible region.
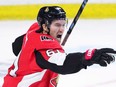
(45, 38)
(47, 9)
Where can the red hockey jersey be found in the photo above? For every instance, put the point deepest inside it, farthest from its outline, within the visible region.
(25, 72)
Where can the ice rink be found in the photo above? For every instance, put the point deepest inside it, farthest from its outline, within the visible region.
(86, 34)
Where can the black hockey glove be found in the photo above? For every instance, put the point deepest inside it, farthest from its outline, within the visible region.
(99, 56)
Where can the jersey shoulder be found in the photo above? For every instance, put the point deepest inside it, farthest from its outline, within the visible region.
(34, 26)
(40, 41)
(43, 41)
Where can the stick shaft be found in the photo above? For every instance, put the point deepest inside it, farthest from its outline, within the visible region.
(74, 21)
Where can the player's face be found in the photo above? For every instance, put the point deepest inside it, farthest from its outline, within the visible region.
(57, 28)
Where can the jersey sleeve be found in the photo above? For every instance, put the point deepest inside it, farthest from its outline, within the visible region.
(61, 63)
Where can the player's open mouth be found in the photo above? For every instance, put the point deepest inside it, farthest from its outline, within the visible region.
(59, 36)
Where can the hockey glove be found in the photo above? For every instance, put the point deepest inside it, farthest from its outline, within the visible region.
(99, 56)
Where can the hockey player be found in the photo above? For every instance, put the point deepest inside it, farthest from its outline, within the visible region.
(41, 57)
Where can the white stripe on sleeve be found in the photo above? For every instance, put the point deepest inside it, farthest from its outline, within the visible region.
(57, 58)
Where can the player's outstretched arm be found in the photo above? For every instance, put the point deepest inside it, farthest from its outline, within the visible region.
(74, 62)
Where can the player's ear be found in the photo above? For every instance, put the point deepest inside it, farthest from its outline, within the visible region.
(45, 29)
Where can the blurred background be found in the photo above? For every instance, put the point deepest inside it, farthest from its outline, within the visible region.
(94, 29)
(27, 9)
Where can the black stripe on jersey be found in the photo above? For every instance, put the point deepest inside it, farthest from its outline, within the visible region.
(17, 45)
(72, 64)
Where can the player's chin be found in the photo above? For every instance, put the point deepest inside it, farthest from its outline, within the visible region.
(58, 39)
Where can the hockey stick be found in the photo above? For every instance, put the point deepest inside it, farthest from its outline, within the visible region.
(74, 21)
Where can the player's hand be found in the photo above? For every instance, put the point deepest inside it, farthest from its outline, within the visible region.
(102, 56)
